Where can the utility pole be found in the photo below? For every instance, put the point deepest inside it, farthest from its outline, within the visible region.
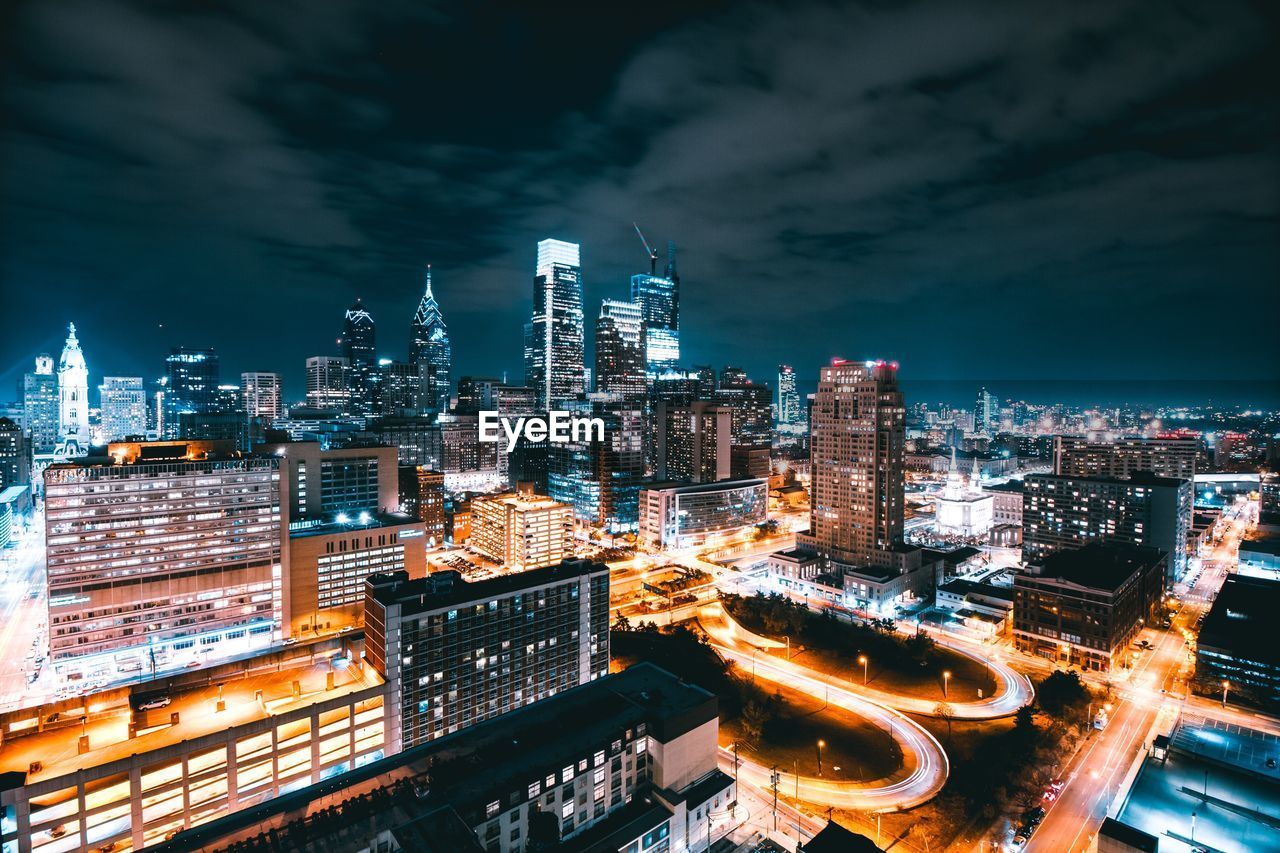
(773, 780)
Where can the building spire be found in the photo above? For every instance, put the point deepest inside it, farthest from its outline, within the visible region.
(71, 327)
(429, 295)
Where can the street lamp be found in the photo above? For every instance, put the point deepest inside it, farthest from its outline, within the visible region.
(862, 659)
(821, 744)
(1225, 684)
(946, 678)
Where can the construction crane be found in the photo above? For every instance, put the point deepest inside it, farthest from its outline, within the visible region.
(653, 256)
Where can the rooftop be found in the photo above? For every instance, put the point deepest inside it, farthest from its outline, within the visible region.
(1139, 478)
(1099, 565)
(694, 488)
(1242, 620)
(1012, 486)
(439, 589)
(964, 587)
(522, 501)
(325, 527)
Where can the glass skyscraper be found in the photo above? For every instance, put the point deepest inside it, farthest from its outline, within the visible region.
(788, 397)
(553, 349)
(359, 348)
(429, 349)
(191, 375)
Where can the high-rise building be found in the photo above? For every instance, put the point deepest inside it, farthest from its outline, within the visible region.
(15, 458)
(456, 653)
(1060, 513)
(601, 479)
(359, 347)
(40, 405)
(694, 442)
(401, 390)
(752, 425)
(522, 530)
(73, 399)
(160, 554)
(620, 359)
(325, 484)
(659, 301)
(986, 413)
(329, 383)
(476, 394)
(262, 395)
(429, 349)
(553, 352)
(422, 496)
(789, 411)
(191, 385)
(123, 403)
(857, 436)
(1178, 457)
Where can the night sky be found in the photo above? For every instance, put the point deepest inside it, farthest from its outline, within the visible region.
(1012, 190)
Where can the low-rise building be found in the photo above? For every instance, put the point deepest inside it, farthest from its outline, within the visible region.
(1260, 557)
(1006, 506)
(878, 586)
(982, 607)
(521, 530)
(1237, 643)
(682, 515)
(1084, 606)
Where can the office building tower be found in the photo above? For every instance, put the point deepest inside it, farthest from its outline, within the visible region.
(553, 353)
(476, 394)
(262, 395)
(179, 542)
(422, 496)
(693, 442)
(329, 383)
(455, 653)
(228, 399)
(122, 401)
(230, 426)
(732, 377)
(789, 411)
(601, 478)
(73, 399)
(359, 348)
(986, 413)
(686, 516)
(400, 390)
(429, 349)
(15, 457)
(1178, 457)
(325, 484)
(191, 384)
(752, 425)
(659, 301)
(1084, 607)
(857, 438)
(40, 405)
(620, 359)
(522, 530)
(1061, 513)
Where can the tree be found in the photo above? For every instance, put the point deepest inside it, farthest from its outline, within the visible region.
(754, 717)
(943, 710)
(621, 623)
(1063, 694)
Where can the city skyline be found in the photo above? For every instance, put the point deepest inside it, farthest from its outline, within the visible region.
(864, 233)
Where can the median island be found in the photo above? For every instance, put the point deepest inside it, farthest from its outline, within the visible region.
(770, 726)
(889, 661)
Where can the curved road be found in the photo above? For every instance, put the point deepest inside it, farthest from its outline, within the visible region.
(925, 762)
(1013, 688)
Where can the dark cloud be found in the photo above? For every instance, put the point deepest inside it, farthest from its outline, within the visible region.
(977, 190)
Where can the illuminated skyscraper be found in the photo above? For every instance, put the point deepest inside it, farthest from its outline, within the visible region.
(359, 348)
(329, 383)
(263, 395)
(40, 405)
(788, 397)
(191, 375)
(659, 301)
(857, 442)
(986, 413)
(429, 349)
(553, 351)
(73, 399)
(123, 402)
(620, 361)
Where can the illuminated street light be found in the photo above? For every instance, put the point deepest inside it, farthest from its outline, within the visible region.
(1225, 684)
(821, 744)
(862, 659)
(946, 678)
